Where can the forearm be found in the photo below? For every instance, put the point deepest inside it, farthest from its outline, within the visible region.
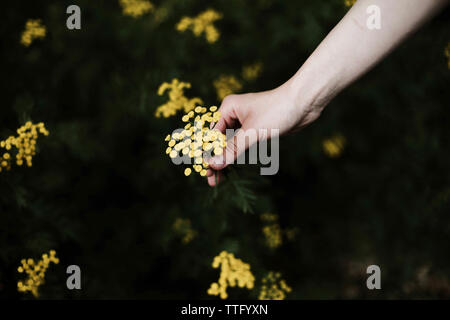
(351, 48)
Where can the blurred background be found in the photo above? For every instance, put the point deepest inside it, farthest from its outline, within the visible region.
(368, 183)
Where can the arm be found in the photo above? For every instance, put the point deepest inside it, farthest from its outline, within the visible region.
(348, 51)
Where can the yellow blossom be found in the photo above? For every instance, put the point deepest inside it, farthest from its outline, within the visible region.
(25, 142)
(349, 3)
(252, 71)
(33, 30)
(136, 8)
(177, 100)
(234, 272)
(183, 228)
(273, 287)
(273, 235)
(334, 146)
(202, 23)
(35, 272)
(447, 54)
(197, 141)
(226, 85)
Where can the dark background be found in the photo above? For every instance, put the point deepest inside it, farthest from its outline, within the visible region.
(103, 193)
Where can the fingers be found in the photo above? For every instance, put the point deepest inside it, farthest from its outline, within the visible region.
(236, 145)
(229, 118)
(214, 178)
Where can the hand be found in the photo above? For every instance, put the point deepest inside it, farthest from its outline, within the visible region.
(275, 109)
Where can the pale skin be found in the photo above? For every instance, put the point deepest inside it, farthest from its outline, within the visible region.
(349, 51)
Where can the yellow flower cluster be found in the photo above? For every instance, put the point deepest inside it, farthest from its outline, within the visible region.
(196, 140)
(447, 54)
(349, 3)
(273, 287)
(136, 8)
(177, 100)
(334, 146)
(272, 232)
(36, 272)
(203, 23)
(33, 30)
(273, 235)
(184, 229)
(25, 142)
(226, 85)
(252, 71)
(233, 272)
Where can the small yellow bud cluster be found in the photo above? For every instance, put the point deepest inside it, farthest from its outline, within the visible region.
(196, 139)
(447, 54)
(136, 8)
(233, 272)
(269, 217)
(177, 100)
(36, 272)
(226, 85)
(33, 30)
(183, 228)
(252, 71)
(203, 23)
(272, 231)
(349, 3)
(273, 235)
(334, 146)
(273, 288)
(25, 142)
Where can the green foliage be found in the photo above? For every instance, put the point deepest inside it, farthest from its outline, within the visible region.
(104, 195)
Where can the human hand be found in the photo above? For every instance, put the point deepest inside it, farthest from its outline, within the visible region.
(282, 109)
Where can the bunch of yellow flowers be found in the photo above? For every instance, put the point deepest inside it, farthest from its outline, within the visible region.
(136, 8)
(233, 272)
(252, 71)
(25, 142)
(33, 30)
(177, 100)
(183, 228)
(36, 272)
(447, 54)
(273, 287)
(334, 146)
(272, 231)
(273, 235)
(197, 139)
(226, 85)
(202, 23)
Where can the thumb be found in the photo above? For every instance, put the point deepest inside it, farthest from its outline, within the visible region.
(236, 145)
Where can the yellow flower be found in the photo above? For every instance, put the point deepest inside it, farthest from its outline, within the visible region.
(251, 72)
(273, 235)
(447, 54)
(226, 85)
(33, 30)
(177, 100)
(25, 142)
(349, 3)
(136, 8)
(183, 228)
(196, 140)
(35, 272)
(334, 146)
(234, 272)
(202, 23)
(273, 287)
